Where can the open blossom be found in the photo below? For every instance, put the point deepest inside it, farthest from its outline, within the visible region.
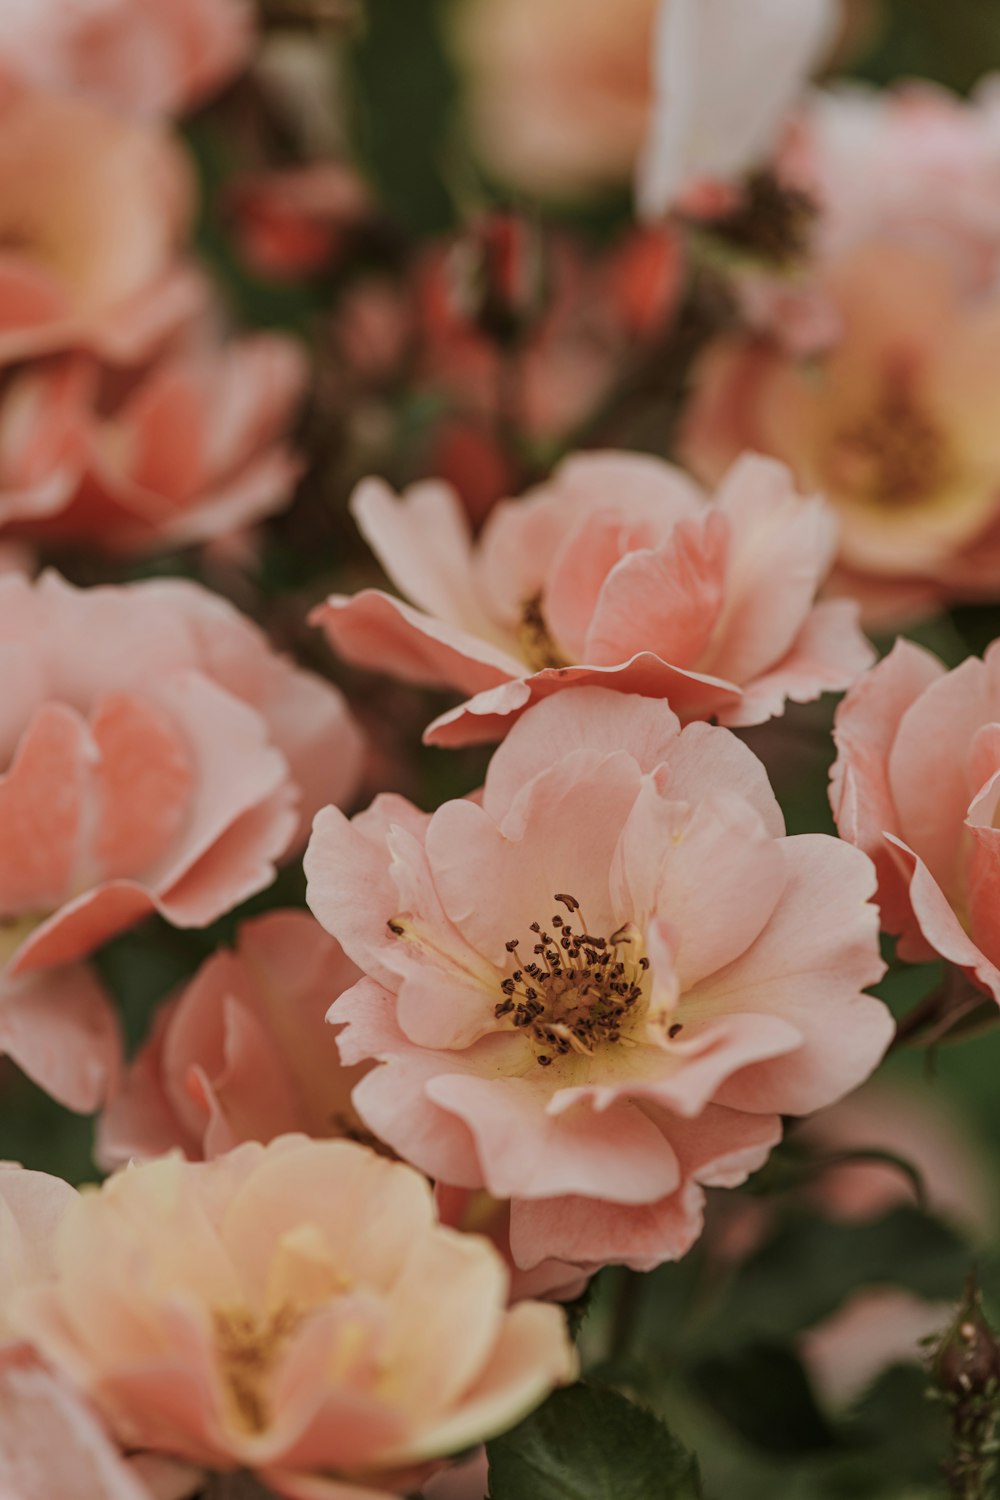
(915, 784)
(192, 448)
(294, 1309)
(891, 417)
(139, 56)
(915, 164)
(557, 91)
(595, 992)
(725, 77)
(242, 1052)
(618, 572)
(895, 424)
(158, 756)
(93, 212)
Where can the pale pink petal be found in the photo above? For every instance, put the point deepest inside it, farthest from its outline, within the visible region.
(374, 630)
(61, 1029)
(667, 602)
(724, 80)
(865, 730)
(809, 966)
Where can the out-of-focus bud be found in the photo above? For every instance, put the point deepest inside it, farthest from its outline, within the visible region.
(965, 1368)
(297, 223)
(645, 276)
(966, 1362)
(499, 276)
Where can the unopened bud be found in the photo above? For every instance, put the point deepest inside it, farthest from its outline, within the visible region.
(498, 269)
(967, 1360)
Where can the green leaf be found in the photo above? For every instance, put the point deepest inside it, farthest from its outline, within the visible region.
(591, 1443)
(811, 1265)
(764, 1393)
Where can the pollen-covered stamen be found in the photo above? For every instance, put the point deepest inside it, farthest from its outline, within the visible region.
(578, 991)
(534, 640)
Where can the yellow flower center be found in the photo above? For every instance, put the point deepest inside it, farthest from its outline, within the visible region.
(534, 640)
(896, 455)
(248, 1347)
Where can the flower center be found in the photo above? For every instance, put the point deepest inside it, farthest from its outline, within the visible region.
(578, 991)
(896, 455)
(534, 642)
(248, 1348)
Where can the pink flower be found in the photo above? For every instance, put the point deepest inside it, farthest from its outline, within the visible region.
(192, 450)
(894, 425)
(725, 78)
(93, 211)
(618, 572)
(242, 1053)
(294, 1309)
(595, 992)
(143, 57)
(159, 757)
(915, 784)
(914, 164)
(557, 91)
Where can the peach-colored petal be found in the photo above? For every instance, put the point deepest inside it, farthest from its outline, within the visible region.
(865, 729)
(51, 1443)
(825, 896)
(61, 1029)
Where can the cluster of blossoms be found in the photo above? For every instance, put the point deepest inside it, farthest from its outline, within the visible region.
(390, 1120)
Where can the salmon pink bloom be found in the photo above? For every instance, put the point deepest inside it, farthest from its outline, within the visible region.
(915, 785)
(618, 572)
(293, 1309)
(242, 1053)
(93, 212)
(191, 450)
(595, 992)
(141, 57)
(895, 425)
(158, 756)
(557, 91)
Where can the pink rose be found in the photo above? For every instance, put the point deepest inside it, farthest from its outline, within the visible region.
(192, 449)
(294, 1309)
(595, 993)
(142, 57)
(915, 785)
(241, 1053)
(618, 572)
(159, 757)
(895, 425)
(557, 91)
(93, 212)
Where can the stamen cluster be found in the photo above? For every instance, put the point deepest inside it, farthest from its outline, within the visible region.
(578, 990)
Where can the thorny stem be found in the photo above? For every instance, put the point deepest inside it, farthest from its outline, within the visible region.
(940, 1012)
